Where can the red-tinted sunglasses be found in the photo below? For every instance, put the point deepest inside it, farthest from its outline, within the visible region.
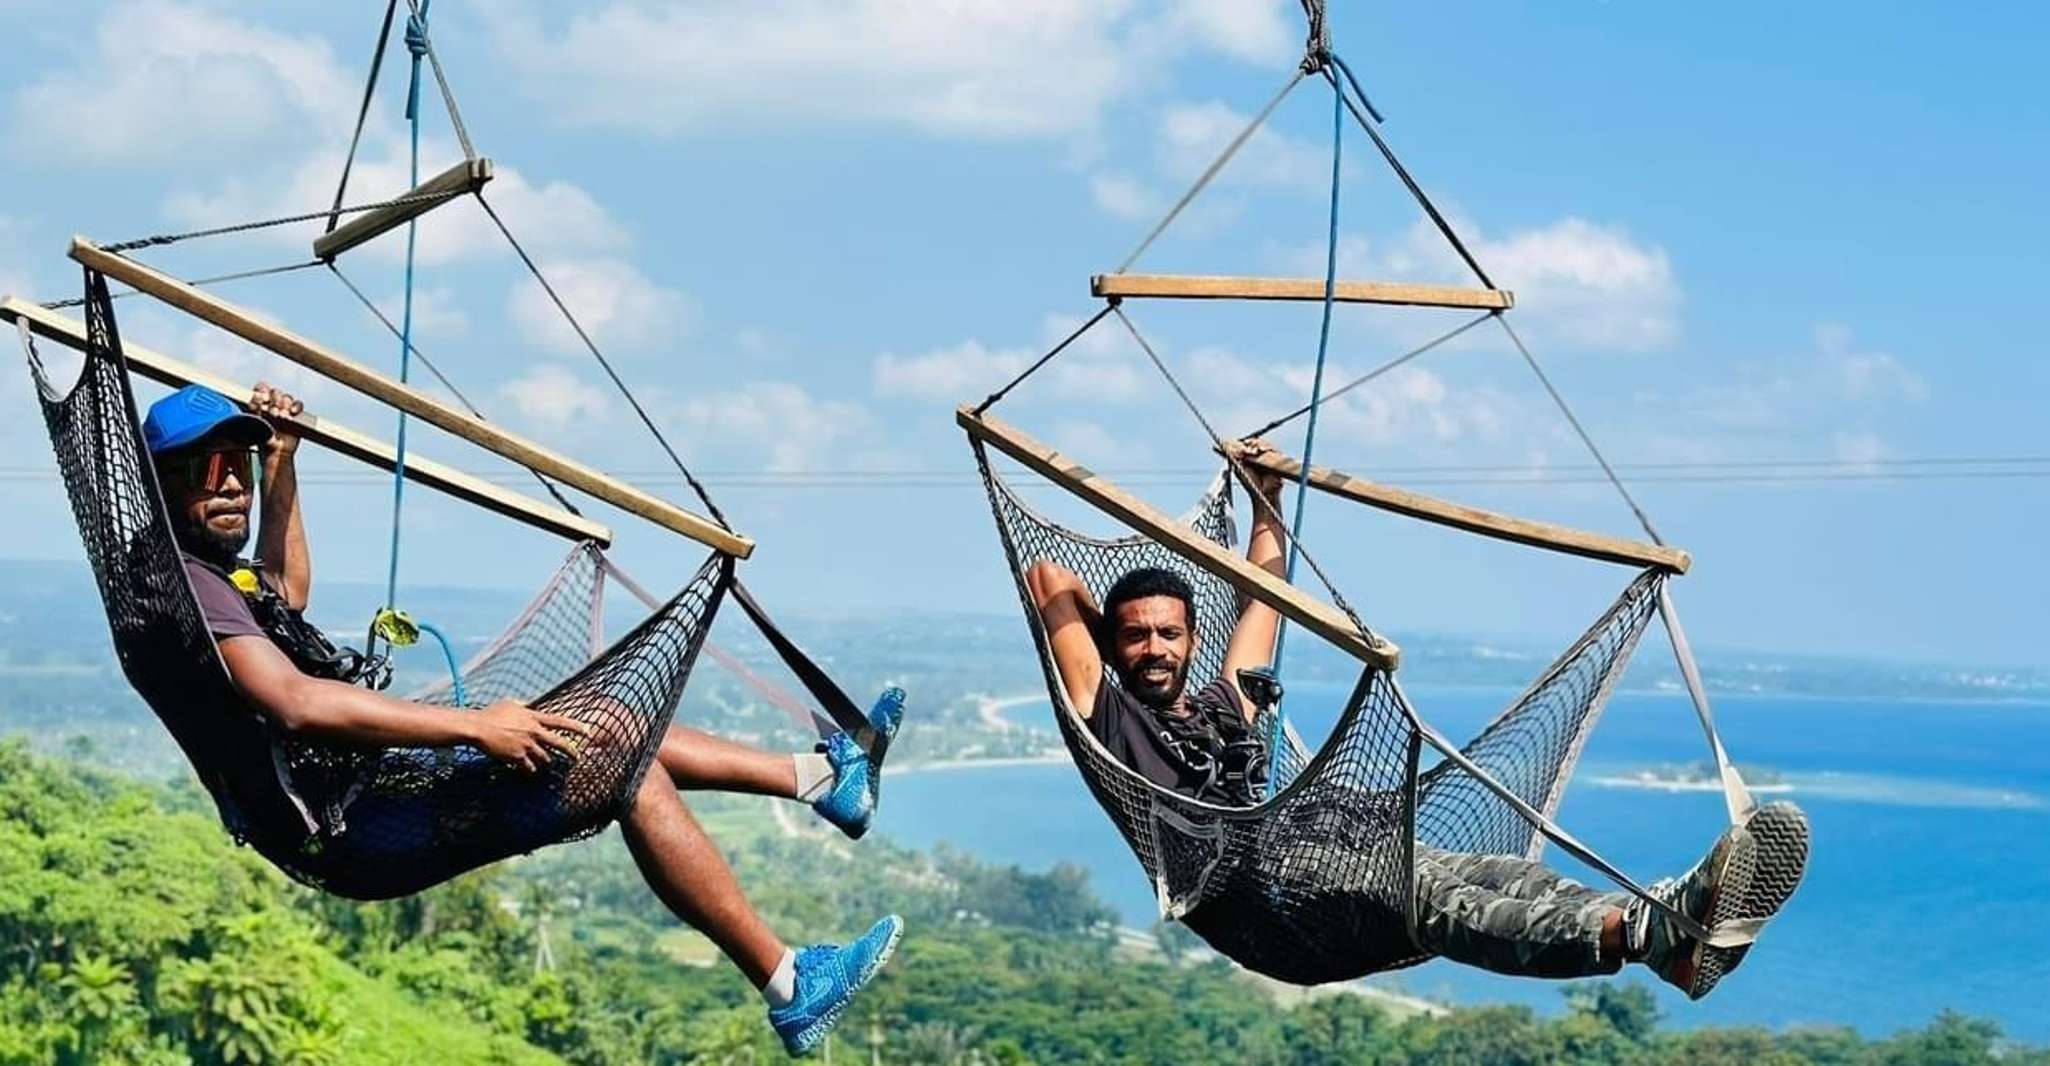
(210, 470)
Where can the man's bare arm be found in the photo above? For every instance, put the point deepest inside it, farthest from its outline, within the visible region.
(1252, 640)
(1071, 619)
(281, 537)
(332, 711)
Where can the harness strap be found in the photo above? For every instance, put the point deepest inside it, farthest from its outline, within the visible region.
(1736, 796)
(851, 719)
(841, 712)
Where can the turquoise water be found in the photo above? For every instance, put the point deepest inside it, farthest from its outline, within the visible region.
(1929, 888)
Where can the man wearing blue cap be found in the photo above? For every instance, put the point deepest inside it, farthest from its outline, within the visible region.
(208, 452)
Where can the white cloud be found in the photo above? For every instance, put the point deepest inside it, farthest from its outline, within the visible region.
(1099, 367)
(976, 68)
(171, 81)
(1865, 375)
(154, 326)
(552, 218)
(1589, 284)
(617, 304)
(1257, 31)
(780, 420)
(1192, 134)
(553, 396)
(1836, 397)
(1124, 196)
(1409, 406)
(1576, 283)
(435, 313)
(14, 257)
(1861, 447)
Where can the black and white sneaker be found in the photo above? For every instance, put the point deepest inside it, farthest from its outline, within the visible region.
(1746, 877)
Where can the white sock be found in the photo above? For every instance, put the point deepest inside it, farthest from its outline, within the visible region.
(814, 775)
(782, 986)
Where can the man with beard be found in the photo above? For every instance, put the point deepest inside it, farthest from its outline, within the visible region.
(207, 452)
(1498, 912)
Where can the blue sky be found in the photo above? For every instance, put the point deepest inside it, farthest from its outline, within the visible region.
(806, 230)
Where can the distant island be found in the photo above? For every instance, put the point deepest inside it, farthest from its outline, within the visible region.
(1695, 777)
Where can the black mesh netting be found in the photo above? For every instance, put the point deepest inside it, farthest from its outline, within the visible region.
(560, 631)
(361, 823)
(1316, 884)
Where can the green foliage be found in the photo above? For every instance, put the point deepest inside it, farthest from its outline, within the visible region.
(132, 933)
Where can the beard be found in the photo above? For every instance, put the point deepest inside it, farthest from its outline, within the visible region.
(215, 545)
(1156, 694)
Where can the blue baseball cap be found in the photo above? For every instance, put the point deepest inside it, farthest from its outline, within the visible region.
(196, 413)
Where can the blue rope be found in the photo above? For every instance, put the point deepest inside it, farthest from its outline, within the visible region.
(455, 673)
(1302, 492)
(416, 43)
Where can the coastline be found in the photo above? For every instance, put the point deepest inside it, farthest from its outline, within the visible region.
(1050, 758)
(1776, 788)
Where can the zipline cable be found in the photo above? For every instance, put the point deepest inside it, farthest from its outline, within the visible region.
(1370, 375)
(363, 110)
(1203, 181)
(158, 240)
(59, 305)
(696, 486)
(474, 410)
(416, 43)
(1607, 470)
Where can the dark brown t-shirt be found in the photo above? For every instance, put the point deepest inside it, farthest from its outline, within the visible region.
(1183, 754)
(220, 603)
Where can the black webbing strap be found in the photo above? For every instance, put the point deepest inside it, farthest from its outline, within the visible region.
(829, 695)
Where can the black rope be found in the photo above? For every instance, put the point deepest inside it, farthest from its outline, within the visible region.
(1609, 471)
(1370, 375)
(58, 305)
(1048, 357)
(244, 227)
(448, 96)
(1203, 180)
(703, 496)
(1388, 153)
(363, 111)
(1239, 469)
(372, 307)
(1317, 48)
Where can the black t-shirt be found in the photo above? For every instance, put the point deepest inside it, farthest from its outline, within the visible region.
(221, 604)
(1189, 754)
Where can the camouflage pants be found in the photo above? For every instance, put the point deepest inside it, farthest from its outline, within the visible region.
(1510, 915)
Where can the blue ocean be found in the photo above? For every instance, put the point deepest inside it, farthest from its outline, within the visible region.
(1929, 887)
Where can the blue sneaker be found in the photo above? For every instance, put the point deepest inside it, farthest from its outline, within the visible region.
(851, 804)
(827, 979)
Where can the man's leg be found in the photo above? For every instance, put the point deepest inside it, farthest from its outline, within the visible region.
(698, 760)
(693, 880)
(1515, 917)
(838, 780)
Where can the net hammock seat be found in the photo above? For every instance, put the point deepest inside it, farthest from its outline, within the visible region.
(1316, 883)
(292, 799)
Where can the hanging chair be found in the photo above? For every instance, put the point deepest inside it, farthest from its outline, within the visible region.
(1314, 885)
(439, 810)
(1317, 882)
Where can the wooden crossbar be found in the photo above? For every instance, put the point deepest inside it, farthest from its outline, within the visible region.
(1305, 610)
(323, 432)
(1472, 519)
(339, 368)
(465, 177)
(1202, 287)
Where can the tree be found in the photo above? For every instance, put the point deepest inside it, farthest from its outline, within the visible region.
(1629, 1008)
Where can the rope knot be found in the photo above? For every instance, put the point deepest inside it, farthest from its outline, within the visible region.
(1317, 49)
(416, 37)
